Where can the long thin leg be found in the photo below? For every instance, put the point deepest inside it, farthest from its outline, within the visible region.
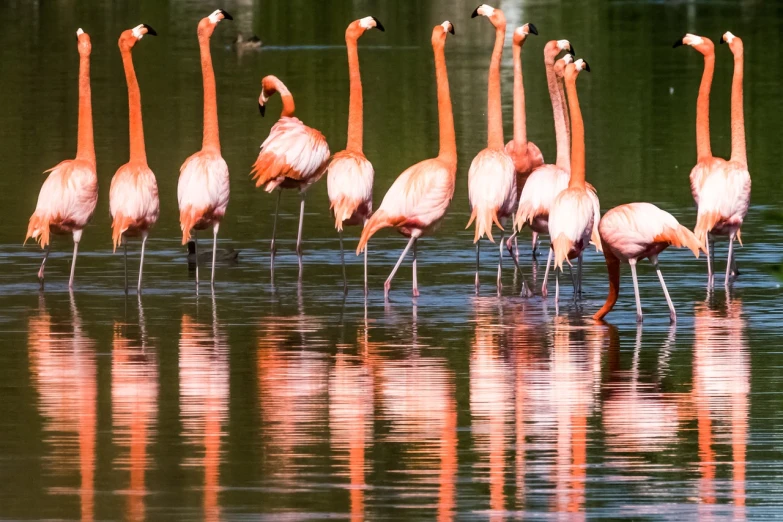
(43, 265)
(125, 257)
(366, 288)
(195, 243)
(513, 239)
(500, 264)
(415, 275)
(573, 279)
(579, 276)
(215, 228)
(557, 285)
(301, 221)
(387, 284)
(516, 246)
(77, 236)
(534, 245)
(477, 265)
(639, 319)
(544, 291)
(729, 261)
(526, 292)
(274, 222)
(709, 260)
(141, 261)
(342, 262)
(672, 313)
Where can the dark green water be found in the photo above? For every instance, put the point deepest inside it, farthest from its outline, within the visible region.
(282, 399)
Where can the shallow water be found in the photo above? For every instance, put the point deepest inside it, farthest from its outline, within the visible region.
(277, 396)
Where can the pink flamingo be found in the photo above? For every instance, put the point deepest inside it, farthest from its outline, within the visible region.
(572, 216)
(492, 182)
(68, 197)
(292, 156)
(637, 231)
(720, 188)
(203, 187)
(133, 197)
(419, 197)
(525, 154)
(350, 176)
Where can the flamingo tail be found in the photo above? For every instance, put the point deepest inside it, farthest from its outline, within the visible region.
(705, 222)
(38, 229)
(119, 225)
(378, 221)
(484, 218)
(562, 246)
(188, 217)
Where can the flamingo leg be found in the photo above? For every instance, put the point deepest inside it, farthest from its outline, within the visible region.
(214, 252)
(415, 275)
(387, 284)
(573, 279)
(342, 262)
(544, 291)
(557, 285)
(125, 258)
(301, 221)
(43, 265)
(526, 292)
(477, 265)
(672, 313)
(516, 246)
(77, 236)
(366, 288)
(579, 276)
(274, 222)
(710, 247)
(500, 264)
(195, 243)
(534, 244)
(729, 261)
(513, 238)
(639, 319)
(141, 261)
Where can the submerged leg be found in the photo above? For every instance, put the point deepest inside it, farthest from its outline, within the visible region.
(579, 276)
(729, 260)
(513, 239)
(573, 279)
(544, 291)
(534, 245)
(477, 265)
(274, 222)
(710, 248)
(415, 276)
(195, 247)
(639, 319)
(557, 285)
(342, 262)
(672, 313)
(526, 291)
(43, 265)
(141, 261)
(516, 246)
(387, 284)
(125, 257)
(500, 264)
(301, 221)
(215, 228)
(77, 236)
(366, 288)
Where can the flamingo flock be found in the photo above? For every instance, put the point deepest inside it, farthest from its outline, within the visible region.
(506, 181)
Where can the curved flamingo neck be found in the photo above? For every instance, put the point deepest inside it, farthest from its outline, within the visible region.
(566, 117)
(577, 136)
(136, 129)
(738, 148)
(85, 147)
(285, 95)
(448, 140)
(703, 148)
(356, 103)
(211, 139)
(520, 118)
(558, 111)
(494, 109)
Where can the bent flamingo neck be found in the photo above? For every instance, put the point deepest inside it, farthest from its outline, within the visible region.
(494, 109)
(613, 267)
(558, 111)
(520, 118)
(356, 103)
(448, 140)
(211, 139)
(577, 136)
(738, 148)
(136, 128)
(703, 148)
(85, 147)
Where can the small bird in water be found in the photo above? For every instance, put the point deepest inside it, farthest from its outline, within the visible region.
(240, 44)
(222, 255)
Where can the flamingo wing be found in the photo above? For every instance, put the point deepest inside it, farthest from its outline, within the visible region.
(540, 190)
(202, 191)
(420, 196)
(349, 184)
(133, 199)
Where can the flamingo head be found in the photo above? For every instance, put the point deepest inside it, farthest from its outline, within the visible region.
(521, 32)
(495, 16)
(358, 27)
(700, 43)
(129, 38)
(735, 43)
(207, 25)
(555, 47)
(439, 33)
(561, 63)
(83, 42)
(572, 70)
(270, 85)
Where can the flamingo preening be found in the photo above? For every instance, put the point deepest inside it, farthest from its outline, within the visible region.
(203, 188)
(133, 196)
(68, 197)
(419, 198)
(350, 175)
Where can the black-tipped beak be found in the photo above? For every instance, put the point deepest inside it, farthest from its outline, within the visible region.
(571, 50)
(678, 42)
(378, 24)
(475, 12)
(226, 15)
(451, 28)
(587, 67)
(262, 109)
(721, 40)
(532, 29)
(150, 30)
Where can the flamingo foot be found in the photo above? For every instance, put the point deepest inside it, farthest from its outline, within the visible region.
(386, 288)
(415, 292)
(639, 318)
(526, 291)
(672, 318)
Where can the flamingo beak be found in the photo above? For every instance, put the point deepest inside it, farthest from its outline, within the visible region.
(150, 30)
(678, 42)
(262, 109)
(226, 15)
(532, 29)
(378, 25)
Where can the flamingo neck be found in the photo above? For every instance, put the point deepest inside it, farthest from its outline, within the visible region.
(494, 109)
(738, 149)
(558, 111)
(211, 138)
(566, 118)
(355, 104)
(703, 148)
(286, 96)
(448, 140)
(136, 129)
(520, 119)
(85, 147)
(577, 137)
(613, 267)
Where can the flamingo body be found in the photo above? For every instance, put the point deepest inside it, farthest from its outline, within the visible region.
(526, 157)
(537, 196)
(202, 192)
(492, 190)
(133, 201)
(349, 185)
(723, 201)
(571, 223)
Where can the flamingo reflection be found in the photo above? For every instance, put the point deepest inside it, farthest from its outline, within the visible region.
(64, 374)
(134, 392)
(203, 396)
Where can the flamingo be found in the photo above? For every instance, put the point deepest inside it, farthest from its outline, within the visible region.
(572, 216)
(419, 197)
(292, 156)
(720, 188)
(203, 188)
(492, 182)
(525, 154)
(350, 175)
(637, 231)
(133, 197)
(68, 197)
